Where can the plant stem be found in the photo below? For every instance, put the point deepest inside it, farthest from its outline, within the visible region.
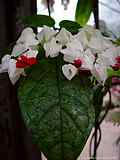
(96, 12)
(48, 6)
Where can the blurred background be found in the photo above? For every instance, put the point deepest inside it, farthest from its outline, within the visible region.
(11, 12)
(109, 12)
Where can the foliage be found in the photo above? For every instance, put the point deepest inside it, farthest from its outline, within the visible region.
(111, 72)
(117, 42)
(83, 11)
(39, 21)
(58, 112)
(71, 26)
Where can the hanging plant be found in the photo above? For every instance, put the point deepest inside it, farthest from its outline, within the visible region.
(65, 74)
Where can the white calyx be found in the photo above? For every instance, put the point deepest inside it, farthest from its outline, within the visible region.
(26, 40)
(69, 71)
(9, 65)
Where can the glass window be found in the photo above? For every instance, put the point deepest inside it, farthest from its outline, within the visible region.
(109, 12)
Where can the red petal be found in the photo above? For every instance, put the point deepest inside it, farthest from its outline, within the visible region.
(20, 65)
(25, 61)
(24, 58)
(78, 62)
(118, 59)
(21, 62)
(115, 80)
(31, 61)
(116, 66)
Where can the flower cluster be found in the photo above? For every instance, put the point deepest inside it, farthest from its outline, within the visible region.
(86, 50)
(23, 55)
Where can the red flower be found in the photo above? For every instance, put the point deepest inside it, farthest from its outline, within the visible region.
(118, 59)
(115, 80)
(24, 61)
(116, 66)
(78, 62)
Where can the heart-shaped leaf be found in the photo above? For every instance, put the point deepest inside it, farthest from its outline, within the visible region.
(39, 21)
(71, 26)
(83, 11)
(58, 112)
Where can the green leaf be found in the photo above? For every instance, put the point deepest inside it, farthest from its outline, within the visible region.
(58, 112)
(111, 72)
(117, 42)
(83, 11)
(71, 26)
(39, 21)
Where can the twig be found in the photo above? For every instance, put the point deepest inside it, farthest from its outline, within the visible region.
(48, 7)
(98, 141)
(97, 128)
(95, 6)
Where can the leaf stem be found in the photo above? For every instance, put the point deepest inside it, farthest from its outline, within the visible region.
(48, 6)
(96, 12)
(58, 66)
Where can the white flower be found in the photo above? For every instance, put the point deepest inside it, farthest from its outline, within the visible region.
(110, 55)
(54, 45)
(4, 63)
(64, 36)
(69, 71)
(82, 37)
(104, 61)
(31, 53)
(20, 49)
(14, 73)
(73, 51)
(93, 39)
(88, 59)
(52, 48)
(26, 40)
(99, 71)
(46, 34)
(9, 65)
(28, 37)
(90, 30)
(99, 43)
